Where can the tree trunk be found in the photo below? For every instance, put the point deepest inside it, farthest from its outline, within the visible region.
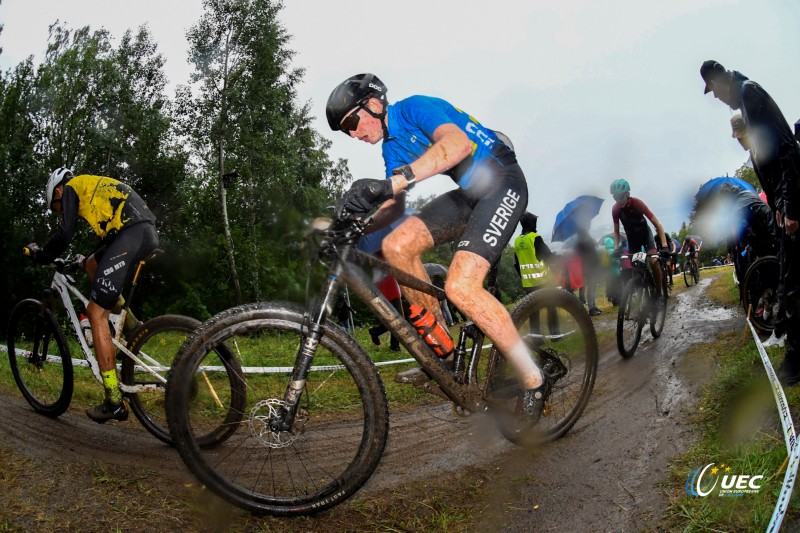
(226, 229)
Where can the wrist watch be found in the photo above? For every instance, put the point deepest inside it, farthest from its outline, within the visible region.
(406, 171)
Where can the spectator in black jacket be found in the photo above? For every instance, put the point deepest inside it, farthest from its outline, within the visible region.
(776, 159)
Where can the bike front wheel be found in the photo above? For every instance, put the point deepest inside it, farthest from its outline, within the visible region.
(660, 311)
(562, 338)
(631, 317)
(39, 358)
(156, 343)
(337, 437)
(688, 275)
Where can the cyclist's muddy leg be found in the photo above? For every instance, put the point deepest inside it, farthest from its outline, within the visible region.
(403, 248)
(464, 288)
(103, 348)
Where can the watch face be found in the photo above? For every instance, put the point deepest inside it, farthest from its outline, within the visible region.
(406, 171)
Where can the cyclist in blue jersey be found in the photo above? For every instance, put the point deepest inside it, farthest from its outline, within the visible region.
(422, 136)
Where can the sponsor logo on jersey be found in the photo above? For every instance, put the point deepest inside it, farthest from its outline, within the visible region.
(480, 134)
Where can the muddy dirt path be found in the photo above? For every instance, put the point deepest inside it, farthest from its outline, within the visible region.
(603, 475)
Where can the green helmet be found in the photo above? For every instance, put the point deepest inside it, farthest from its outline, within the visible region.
(620, 186)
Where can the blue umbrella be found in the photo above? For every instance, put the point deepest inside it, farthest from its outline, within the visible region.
(713, 185)
(577, 214)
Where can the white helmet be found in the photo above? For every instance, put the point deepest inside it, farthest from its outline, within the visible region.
(55, 179)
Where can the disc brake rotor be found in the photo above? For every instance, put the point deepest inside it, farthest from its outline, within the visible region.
(259, 422)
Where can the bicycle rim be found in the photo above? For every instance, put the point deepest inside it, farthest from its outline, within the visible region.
(562, 338)
(760, 290)
(630, 318)
(156, 343)
(338, 435)
(39, 358)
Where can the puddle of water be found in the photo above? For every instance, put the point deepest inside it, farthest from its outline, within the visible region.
(688, 308)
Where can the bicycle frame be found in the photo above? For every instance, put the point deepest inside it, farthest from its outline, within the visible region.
(344, 269)
(642, 267)
(63, 285)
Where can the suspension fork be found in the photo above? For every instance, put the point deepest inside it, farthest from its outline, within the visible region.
(38, 353)
(312, 332)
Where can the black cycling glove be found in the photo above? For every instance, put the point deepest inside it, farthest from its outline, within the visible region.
(34, 251)
(664, 252)
(363, 196)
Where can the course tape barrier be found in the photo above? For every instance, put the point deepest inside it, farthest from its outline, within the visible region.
(789, 435)
(246, 369)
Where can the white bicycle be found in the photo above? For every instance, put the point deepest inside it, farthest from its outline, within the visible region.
(39, 354)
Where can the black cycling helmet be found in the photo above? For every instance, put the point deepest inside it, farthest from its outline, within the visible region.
(354, 92)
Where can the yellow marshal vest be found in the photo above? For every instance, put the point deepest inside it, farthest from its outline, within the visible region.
(533, 271)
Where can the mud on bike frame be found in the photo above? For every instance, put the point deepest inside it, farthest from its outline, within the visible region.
(345, 268)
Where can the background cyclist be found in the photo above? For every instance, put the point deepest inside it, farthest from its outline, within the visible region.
(691, 247)
(672, 260)
(127, 229)
(420, 137)
(633, 213)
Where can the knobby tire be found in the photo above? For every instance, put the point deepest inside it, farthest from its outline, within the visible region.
(339, 433)
(760, 292)
(46, 384)
(566, 344)
(631, 317)
(160, 338)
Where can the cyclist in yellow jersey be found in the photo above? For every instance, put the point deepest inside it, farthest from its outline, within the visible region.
(127, 228)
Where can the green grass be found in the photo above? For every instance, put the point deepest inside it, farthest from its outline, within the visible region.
(737, 425)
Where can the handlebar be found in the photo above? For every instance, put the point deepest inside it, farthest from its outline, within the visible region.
(339, 231)
(74, 262)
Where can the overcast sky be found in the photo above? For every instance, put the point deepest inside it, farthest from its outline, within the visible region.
(588, 93)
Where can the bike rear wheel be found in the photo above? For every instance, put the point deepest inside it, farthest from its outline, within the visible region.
(631, 317)
(156, 343)
(561, 335)
(760, 293)
(337, 438)
(39, 358)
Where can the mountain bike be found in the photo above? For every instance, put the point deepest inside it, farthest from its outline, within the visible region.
(39, 355)
(691, 276)
(317, 419)
(760, 292)
(641, 303)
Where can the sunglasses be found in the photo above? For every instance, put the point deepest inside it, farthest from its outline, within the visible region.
(350, 122)
(619, 197)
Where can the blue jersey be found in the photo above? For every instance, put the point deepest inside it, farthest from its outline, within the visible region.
(411, 123)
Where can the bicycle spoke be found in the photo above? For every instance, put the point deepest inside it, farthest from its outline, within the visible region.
(262, 466)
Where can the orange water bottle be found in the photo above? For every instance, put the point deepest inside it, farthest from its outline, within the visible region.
(431, 331)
